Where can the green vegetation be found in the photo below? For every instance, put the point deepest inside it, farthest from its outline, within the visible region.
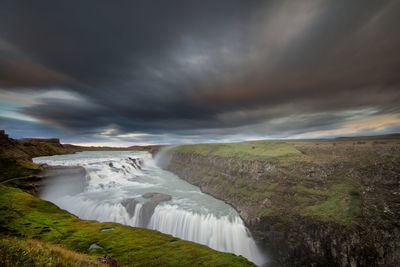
(16, 155)
(36, 150)
(347, 184)
(10, 167)
(339, 203)
(20, 252)
(34, 232)
(302, 196)
(322, 179)
(25, 216)
(254, 150)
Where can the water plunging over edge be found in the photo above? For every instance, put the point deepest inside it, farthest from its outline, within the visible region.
(115, 184)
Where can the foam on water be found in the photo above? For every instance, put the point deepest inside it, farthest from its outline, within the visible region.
(113, 177)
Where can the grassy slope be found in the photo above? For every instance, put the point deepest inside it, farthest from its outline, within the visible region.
(308, 178)
(20, 252)
(10, 167)
(25, 216)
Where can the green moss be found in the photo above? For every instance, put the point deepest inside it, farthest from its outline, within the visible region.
(313, 191)
(38, 148)
(239, 192)
(207, 179)
(259, 196)
(353, 203)
(10, 167)
(25, 216)
(302, 179)
(50, 149)
(265, 212)
(29, 165)
(341, 205)
(268, 187)
(254, 150)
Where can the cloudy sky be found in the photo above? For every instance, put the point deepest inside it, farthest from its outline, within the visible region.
(146, 72)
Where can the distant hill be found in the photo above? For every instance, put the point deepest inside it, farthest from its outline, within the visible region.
(395, 136)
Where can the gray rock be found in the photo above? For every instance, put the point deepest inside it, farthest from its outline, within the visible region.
(148, 208)
(93, 246)
(107, 229)
(130, 205)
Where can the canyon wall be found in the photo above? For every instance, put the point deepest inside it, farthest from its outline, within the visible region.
(334, 203)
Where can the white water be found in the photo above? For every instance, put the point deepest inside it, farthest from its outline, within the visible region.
(112, 176)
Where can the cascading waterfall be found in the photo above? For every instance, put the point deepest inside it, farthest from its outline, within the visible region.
(129, 188)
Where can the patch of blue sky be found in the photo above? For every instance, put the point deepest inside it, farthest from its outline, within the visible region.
(11, 109)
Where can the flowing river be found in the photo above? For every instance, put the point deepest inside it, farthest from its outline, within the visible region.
(114, 190)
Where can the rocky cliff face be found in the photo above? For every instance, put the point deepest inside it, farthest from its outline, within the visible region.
(334, 204)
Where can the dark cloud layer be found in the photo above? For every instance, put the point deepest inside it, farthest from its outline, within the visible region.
(219, 68)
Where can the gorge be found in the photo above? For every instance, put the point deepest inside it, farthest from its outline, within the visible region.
(326, 202)
(310, 202)
(127, 187)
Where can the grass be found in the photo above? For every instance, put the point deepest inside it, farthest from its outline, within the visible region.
(39, 149)
(25, 216)
(339, 203)
(10, 167)
(320, 179)
(254, 150)
(20, 252)
(294, 194)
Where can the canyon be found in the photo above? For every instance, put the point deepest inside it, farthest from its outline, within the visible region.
(309, 202)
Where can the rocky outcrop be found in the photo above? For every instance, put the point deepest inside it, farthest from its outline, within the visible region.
(107, 260)
(149, 205)
(339, 206)
(153, 199)
(3, 138)
(130, 205)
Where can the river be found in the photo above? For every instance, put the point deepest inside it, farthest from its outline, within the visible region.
(113, 190)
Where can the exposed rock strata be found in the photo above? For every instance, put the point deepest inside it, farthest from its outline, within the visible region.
(371, 238)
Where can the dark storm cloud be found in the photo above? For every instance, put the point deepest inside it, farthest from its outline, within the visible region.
(18, 73)
(22, 129)
(262, 68)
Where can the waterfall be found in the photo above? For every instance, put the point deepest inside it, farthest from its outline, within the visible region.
(129, 188)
